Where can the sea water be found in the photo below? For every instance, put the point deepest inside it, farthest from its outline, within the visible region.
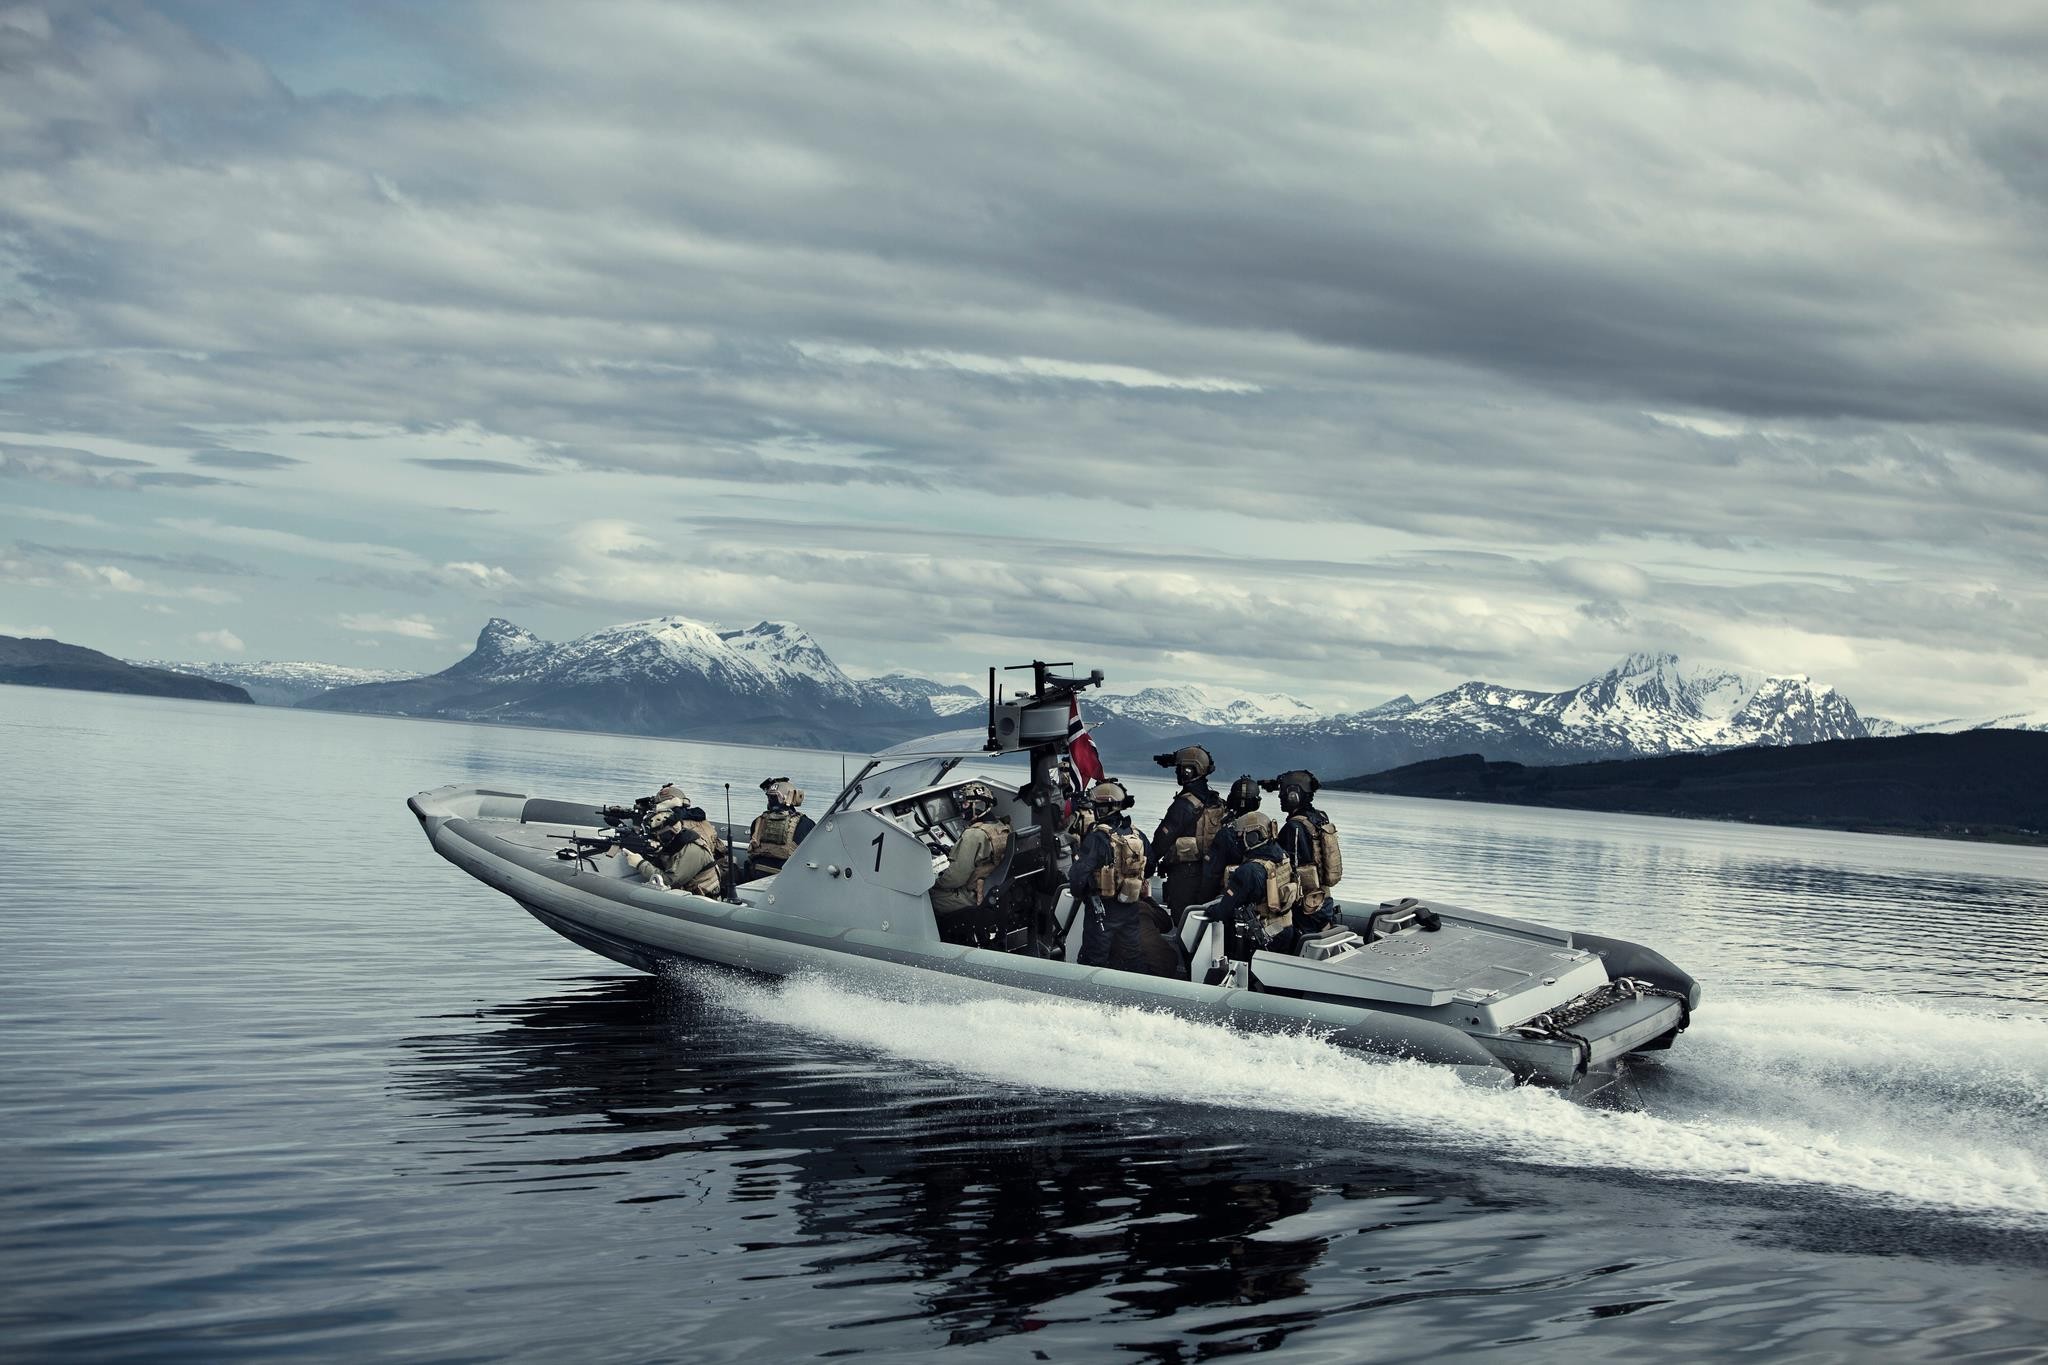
(275, 1080)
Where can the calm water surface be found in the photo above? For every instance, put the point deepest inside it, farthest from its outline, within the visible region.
(277, 1081)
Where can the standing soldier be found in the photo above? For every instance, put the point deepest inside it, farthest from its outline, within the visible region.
(1308, 838)
(1245, 828)
(962, 884)
(773, 837)
(1107, 879)
(1180, 846)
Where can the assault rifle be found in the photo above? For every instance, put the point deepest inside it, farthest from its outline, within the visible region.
(642, 807)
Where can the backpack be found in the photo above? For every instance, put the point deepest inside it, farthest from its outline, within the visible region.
(1281, 891)
(1329, 856)
(1122, 878)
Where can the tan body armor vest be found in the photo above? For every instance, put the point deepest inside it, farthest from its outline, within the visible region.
(703, 881)
(998, 848)
(708, 832)
(1283, 895)
(706, 880)
(773, 834)
(1250, 822)
(1326, 870)
(1209, 822)
(1122, 878)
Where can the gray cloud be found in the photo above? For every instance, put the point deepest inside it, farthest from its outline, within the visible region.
(199, 563)
(242, 459)
(1528, 334)
(85, 469)
(459, 466)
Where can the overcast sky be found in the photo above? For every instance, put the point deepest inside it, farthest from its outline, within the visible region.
(1342, 349)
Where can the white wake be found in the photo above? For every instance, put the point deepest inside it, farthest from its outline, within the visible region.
(1877, 1100)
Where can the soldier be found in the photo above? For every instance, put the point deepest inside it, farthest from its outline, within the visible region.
(1107, 879)
(1308, 838)
(1259, 896)
(672, 818)
(675, 846)
(672, 807)
(1180, 846)
(963, 884)
(1243, 821)
(773, 837)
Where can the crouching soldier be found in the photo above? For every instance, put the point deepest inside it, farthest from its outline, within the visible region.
(1309, 839)
(963, 884)
(773, 837)
(1245, 826)
(678, 846)
(1258, 900)
(1180, 846)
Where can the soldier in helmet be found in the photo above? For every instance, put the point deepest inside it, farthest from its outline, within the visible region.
(1180, 846)
(677, 846)
(1259, 896)
(1107, 878)
(983, 844)
(1242, 821)
(775, 833)
(1310, 840)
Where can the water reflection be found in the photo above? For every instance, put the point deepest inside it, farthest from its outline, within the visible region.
(1003, 1211)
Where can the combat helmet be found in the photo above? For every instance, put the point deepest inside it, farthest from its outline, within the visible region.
(1109, 799)
(975, 800)
(1190, 763)
(1244, 795)
(1297, 787)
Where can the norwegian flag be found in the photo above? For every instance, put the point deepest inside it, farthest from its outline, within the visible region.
(1080, 748)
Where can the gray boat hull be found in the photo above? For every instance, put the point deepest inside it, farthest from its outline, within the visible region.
(508, 842)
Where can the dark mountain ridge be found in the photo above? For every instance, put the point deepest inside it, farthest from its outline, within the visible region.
(52, 663)
(1978, 784)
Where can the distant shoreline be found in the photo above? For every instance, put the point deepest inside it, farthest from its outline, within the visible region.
(1978, 786)
(2004, 840)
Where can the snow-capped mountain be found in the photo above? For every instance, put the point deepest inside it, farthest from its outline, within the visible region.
(771, 660)
(502, 650)
(2014, 720)
(768, 683)
(281, 683)
(1649, 703)
(1200, 706)
(773, 683)
(911, 692)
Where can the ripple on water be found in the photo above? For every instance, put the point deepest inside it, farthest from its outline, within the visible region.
(279, 1082)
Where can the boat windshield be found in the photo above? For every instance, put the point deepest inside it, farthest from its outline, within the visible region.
(877, 783)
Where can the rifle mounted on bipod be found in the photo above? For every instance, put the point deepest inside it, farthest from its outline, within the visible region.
(583, 850)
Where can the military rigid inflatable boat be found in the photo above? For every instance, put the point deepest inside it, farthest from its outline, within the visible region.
(1423, 980)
